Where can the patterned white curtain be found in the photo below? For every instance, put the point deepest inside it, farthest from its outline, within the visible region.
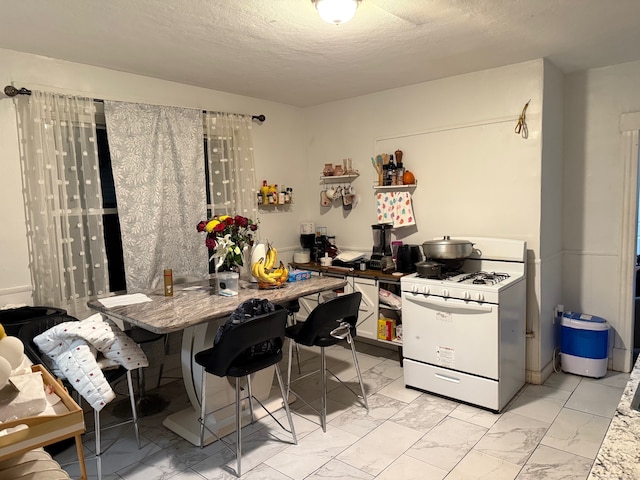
(157, 156)
(232, 179)
(63, 197)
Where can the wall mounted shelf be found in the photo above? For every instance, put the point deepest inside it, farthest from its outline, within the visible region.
(395, 187)
(339, 178)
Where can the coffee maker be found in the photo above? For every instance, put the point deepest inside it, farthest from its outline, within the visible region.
(381, 245)
(318, 245)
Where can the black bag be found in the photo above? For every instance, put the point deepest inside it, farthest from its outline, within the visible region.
(246, 311)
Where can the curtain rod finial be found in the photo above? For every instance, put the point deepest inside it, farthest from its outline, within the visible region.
(259, 118)
(11, 91)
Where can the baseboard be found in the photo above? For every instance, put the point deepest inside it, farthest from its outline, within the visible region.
(16, 295)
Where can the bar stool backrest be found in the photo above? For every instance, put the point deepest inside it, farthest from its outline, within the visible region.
(233, 355)
(326, 317)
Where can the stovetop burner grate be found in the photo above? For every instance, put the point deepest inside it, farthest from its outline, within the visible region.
(484, 278)
(444, 275)
(476, 278)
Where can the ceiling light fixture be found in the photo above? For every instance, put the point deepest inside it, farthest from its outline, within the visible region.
(336, 11)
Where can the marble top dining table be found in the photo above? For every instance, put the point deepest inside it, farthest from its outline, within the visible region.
(197, 310)
(196, 303)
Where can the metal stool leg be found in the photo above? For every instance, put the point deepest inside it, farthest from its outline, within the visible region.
(323, 376)
(238, 428)
(289, 368)
(134, 412)
(286, 405)
(250, 397)
(96, 428)
(357, 365)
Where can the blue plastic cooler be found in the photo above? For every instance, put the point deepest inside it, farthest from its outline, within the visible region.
(584, 344)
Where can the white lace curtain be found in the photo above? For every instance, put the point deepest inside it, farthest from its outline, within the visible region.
(158, 169)
(232, 179)
(63, 197)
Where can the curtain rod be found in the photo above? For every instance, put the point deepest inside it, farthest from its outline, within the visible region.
(11, 91)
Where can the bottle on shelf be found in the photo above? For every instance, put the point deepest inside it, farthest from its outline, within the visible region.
(273, 192)
(281, 196)
(265, 193)
(392, 171)
(399, 173)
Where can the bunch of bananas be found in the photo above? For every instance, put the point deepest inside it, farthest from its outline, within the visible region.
(264, 270)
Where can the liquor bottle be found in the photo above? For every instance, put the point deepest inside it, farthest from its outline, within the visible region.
(168, 282)
(391, 170)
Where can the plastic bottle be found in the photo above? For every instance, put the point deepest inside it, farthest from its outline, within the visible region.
(273, 195)
(265, 193)
(281, 196)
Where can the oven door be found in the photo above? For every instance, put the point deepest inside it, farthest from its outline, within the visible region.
(450, 333)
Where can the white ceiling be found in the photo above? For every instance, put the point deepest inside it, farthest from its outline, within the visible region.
(281, 50)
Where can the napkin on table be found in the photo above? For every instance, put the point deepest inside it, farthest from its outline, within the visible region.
(119, 300)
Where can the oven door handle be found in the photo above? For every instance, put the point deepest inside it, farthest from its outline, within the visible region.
(459, 305)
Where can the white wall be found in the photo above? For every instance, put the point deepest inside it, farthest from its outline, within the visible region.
(351, 128)
(593, 179)
(475, 175)
(278, 145)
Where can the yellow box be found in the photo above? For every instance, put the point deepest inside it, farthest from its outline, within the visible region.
(386, 329)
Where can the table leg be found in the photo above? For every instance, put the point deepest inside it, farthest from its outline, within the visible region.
(80, 451)
(220, 393)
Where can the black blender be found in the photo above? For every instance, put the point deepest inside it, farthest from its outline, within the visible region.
(381, 245)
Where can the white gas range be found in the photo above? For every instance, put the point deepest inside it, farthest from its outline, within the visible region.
(464, 332)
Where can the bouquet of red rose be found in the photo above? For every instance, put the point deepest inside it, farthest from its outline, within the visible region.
(228, 237)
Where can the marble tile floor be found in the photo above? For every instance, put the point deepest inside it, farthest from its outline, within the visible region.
(550, 431)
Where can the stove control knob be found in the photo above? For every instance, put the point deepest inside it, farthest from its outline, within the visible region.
(414, 288)
(425, 290)
(480, 297)
(445, 292)
(467, 295)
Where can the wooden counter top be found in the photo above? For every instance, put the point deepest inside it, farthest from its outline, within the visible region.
(343, 271)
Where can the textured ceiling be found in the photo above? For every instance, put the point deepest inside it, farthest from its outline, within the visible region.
(281, 50)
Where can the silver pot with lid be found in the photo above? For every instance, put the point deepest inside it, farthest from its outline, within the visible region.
(447, 249)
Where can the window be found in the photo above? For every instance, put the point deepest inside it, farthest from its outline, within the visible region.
(111, 223)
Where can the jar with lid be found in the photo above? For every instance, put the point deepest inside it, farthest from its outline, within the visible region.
(328, 170)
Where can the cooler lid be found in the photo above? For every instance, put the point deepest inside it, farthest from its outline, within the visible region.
(584, 321)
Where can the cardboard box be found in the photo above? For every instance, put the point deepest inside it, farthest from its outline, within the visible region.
(296, 275)
(43, 429)
(386, 329)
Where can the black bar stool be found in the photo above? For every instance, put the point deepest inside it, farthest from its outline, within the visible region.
(243, 349)
(328, 324)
